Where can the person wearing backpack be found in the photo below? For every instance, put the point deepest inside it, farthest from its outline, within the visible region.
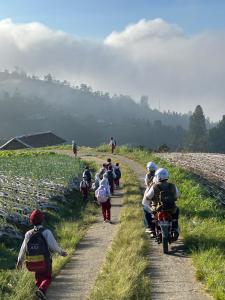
(84, 187)
(88, 175)
(103, 196)
(37, 247)
(117, 175)
(163, 196)
(111, 176)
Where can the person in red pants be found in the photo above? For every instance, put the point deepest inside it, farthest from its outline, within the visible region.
(84, 188)
(45, 244)
(103, 196)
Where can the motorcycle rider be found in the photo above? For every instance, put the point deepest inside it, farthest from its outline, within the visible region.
(150, 226)
(151, 167)
(162, 188)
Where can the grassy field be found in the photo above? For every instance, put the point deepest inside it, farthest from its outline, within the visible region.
(124, 274)
(202, 222)
(69, 224)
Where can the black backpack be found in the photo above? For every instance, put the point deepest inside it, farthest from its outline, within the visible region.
(110, 176)
(37, 252)
(166, 196)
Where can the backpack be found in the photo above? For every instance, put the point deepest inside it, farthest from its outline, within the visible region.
(166, 194)
(37, 252)
(110, 176)
(117, 173)
(84, 184)
(102, 194)
(87, 173)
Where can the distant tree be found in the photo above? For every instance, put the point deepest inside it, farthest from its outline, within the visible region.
(197, 137)
(217, 137)
(163, 148)
(48, 77)
(144, 102)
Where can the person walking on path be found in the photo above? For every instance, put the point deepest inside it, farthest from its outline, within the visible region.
(111, 176)
(103, 196)
(38, 259)
(117, 175)
(112, 144)
(88, 175)
(74, 148)
(84, 187)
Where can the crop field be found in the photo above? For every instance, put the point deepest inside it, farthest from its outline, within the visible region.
(30, 180)
(50, 182)
(210, 168)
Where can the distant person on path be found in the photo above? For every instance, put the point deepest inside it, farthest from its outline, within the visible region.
(88, 175)
(74, 148)
(103, 196)
(117, 175)
(112, 144)
(38, 259)
(84, 188)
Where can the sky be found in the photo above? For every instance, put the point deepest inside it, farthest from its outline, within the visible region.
(171, 50)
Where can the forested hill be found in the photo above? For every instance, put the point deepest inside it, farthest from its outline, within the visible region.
(29, 104)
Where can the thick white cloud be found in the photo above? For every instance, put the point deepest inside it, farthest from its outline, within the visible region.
(150, 57)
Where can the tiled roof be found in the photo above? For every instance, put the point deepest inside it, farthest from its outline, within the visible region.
(37, 140)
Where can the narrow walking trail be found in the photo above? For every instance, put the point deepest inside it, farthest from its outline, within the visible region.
(172, 276)
(78, 276)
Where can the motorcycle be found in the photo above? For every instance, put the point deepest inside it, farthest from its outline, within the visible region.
(166, 231)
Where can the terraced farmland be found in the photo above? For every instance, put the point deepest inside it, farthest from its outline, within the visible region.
(210, 168)
(30, 180)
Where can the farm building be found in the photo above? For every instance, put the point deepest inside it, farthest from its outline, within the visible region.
(37, 140)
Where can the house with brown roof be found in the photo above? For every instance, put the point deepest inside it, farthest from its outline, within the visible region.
(42, 139)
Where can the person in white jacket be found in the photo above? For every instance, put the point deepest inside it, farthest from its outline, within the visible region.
(42, 279)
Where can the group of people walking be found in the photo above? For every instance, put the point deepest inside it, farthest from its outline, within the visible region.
(159, 195)
(106, 180)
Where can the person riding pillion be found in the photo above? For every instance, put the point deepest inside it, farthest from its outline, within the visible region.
(163, 196)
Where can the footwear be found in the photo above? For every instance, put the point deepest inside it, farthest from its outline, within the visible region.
(40, 295)
(152, 234)
(148, 230)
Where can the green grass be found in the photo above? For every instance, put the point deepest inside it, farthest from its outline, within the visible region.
(202, 222)
(69, 225)
(124, 275)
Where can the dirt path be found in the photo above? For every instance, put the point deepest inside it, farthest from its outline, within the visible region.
(172, 276)
(78, 276)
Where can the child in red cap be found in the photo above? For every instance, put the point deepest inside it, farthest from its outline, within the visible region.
(43, 278)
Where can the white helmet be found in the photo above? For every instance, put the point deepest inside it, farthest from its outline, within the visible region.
(151, 166)
(161, 174)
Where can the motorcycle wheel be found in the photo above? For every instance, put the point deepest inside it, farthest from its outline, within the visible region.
(165, 244)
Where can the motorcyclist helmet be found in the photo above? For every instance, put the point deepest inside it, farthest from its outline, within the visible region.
(161, 174)
(151, 166)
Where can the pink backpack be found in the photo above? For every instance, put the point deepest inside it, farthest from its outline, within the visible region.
(102, 194)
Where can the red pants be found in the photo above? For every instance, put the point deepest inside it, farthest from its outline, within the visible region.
(106, 206)
(84, 192)
(43, 280)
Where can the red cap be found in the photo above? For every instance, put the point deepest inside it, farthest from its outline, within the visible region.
(36, 217)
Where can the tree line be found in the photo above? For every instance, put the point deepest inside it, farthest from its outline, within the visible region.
(29, 105)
